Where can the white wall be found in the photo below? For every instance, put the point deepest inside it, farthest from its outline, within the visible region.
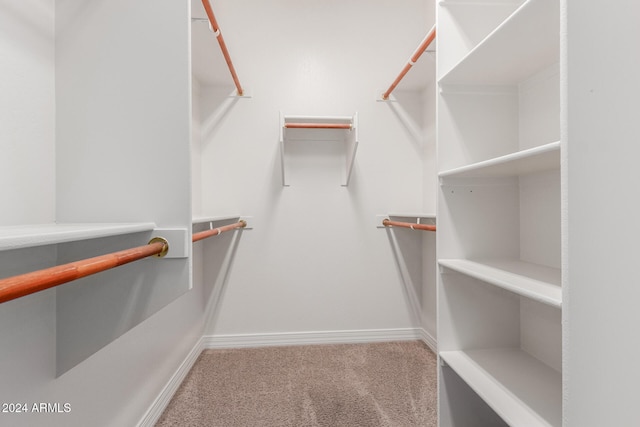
(315, 260)
(123, 121)
(27, 105)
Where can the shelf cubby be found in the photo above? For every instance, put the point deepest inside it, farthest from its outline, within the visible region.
(517, 386)
(537, 282)
(518, 48)
(500, 124)
(464, 24)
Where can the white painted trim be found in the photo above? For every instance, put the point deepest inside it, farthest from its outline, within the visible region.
(160, 403)
(306, 338)
(429, 340)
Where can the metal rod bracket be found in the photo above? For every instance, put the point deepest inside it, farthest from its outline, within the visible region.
(165, 248)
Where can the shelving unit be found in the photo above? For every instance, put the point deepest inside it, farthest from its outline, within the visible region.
(324, 132)
(499, 213)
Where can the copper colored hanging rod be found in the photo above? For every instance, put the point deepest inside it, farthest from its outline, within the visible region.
(29, 283)
(217, 231)
(431, 35)
(317, 125)
(223, 45)
(426, 227)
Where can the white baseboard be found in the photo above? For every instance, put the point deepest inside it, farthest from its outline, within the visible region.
(154, 413)
(306, 338)
(429, 340)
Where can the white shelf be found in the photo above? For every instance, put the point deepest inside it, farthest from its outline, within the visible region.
(533, 281)
(349, 136)
(412, 215)
(317, 119)
(537, 159)
(523, 44)
(206, 219)
(520, 389)
(24, 236)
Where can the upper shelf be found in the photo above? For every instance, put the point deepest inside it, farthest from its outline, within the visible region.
(319, 128)
(24, 236)
(537, 159)
(526, 42)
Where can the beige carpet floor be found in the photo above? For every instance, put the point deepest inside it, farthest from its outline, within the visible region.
(350, 385)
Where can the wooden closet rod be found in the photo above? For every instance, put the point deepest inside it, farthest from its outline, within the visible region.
(29, 283)
(217, 231)
(431, 35)
(317, 125)
(426, 227)
(223, 45)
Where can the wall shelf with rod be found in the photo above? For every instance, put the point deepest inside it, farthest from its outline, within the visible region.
(36, 281)
(411, 217)
(318, 129)
(222, 223)
(24, 236)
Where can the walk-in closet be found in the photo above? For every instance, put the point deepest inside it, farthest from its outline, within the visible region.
(320, 213)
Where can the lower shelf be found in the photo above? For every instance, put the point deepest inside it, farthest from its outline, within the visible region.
(520, 389)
